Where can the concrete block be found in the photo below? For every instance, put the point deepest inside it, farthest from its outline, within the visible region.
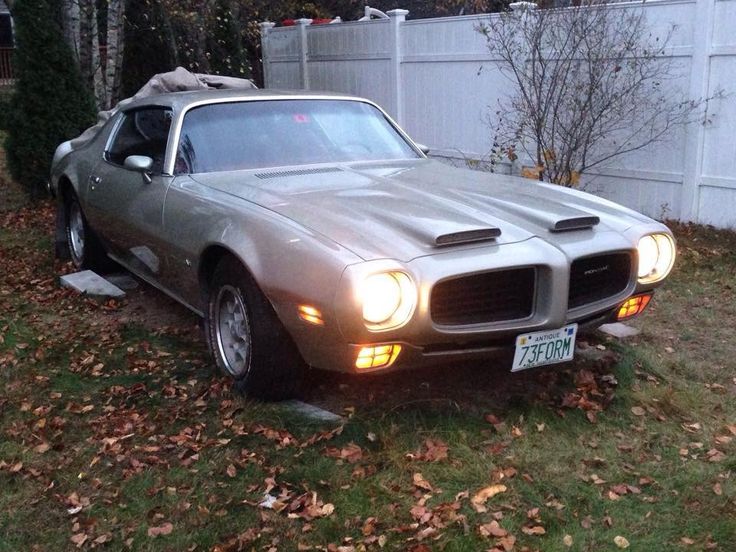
(91, 283)
(619, 330)
(312, 412)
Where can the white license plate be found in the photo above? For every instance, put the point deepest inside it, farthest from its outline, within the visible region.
(545, 347)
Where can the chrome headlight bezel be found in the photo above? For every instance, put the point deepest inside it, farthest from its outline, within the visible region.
(655, 257)
(399, 292)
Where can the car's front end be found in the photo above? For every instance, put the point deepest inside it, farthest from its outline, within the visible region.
(470, 303)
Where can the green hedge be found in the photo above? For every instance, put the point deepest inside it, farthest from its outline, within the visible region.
(49, 103)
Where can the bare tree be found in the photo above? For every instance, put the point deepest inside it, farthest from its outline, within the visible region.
(70, 24)
(591, 83)
(100, 67)
(114, 52)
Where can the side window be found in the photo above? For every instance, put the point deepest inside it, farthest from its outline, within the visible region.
(142, 132)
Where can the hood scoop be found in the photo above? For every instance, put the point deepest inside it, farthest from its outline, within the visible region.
(575, 223)
(296, 172)
(467, 236)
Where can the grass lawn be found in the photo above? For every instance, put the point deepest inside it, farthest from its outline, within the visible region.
(115, 434)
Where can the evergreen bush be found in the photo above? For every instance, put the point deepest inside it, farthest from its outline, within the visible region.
(49, 104)
(224, 43)
(149, 45)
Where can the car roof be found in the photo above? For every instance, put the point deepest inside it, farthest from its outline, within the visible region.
(181, 100)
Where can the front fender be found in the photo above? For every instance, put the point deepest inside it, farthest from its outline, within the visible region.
(291, 264)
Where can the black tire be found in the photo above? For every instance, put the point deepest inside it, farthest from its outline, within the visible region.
(89, 252)
(257, 352)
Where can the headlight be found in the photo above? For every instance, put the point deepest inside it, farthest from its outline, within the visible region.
(656, 257)
(388, 300)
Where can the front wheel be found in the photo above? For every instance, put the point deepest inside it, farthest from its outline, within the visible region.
(246, 338)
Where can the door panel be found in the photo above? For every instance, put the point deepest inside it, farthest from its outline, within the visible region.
(125, 208)
(130, 215)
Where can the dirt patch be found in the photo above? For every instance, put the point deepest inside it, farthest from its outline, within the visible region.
(156, 311)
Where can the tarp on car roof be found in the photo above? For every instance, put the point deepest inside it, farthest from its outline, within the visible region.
(179, 80)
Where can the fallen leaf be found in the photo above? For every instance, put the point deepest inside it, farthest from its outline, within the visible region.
(535, 530)
(231, 471)
(723, 439)
(637, 411)
(687, 540)
(620, 541)
(421, 483)
(351, 453)
(567, 540)
(492, 529)
(164, 529)
(79, 539)
(507, 543)
(480, 498)
(436, 450)
(715, 455)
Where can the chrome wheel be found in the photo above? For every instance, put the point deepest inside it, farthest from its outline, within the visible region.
(232, 331)
(75, 232)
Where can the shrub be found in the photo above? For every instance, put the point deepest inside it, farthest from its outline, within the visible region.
(149, 45)
(49, 103)
(4, 109)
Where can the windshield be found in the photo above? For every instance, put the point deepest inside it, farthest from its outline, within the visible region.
(271, 133)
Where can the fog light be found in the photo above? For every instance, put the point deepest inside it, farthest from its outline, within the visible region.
(310, 314)
(633, 306)
(380, 356)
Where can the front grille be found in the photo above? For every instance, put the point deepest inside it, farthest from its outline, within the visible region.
(596, 278)
(482, 298)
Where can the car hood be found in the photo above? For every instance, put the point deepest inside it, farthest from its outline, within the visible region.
(399, 210)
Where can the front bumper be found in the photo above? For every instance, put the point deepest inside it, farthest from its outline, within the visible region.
(335, 345)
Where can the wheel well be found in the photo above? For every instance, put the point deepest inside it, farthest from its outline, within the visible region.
(210, 258)
(65, 188)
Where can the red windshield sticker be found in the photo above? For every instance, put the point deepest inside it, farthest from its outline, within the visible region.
(300, 118)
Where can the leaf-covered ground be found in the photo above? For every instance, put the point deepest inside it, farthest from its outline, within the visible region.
(115, 434)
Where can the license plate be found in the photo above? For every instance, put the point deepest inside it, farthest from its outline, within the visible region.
(545, 347)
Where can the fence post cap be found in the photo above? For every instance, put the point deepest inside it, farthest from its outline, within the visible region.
(304, 21)
(266, 26)
(398, 13)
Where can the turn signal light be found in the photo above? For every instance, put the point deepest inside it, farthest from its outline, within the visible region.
(381, 356)
(633, 306)
(311, 315)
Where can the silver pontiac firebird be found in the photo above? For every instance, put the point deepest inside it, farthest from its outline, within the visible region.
(309, 230)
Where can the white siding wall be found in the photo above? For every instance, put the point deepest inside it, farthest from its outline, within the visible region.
(436, 77)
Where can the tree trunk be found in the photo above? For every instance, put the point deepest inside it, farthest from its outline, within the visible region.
(70, 23)
(89, 50)
(114, 57)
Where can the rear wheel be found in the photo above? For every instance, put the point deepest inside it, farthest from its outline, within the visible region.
(246, 338)
(85, 248)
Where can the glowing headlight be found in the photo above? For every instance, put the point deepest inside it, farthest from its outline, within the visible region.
(388, 299)
(656, 257)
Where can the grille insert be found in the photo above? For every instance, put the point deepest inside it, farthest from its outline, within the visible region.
(596, 278)
(482, 298)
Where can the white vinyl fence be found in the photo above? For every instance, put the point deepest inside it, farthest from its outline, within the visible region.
(437, 79)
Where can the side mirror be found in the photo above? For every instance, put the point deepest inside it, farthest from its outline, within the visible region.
(424, 149)
(140, 163)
